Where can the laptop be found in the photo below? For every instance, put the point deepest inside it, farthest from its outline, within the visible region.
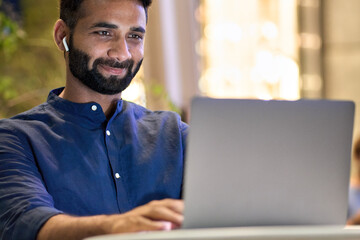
(267, 163)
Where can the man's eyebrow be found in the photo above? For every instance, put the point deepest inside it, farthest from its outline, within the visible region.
(113, 26)
(137, 29)
(104, 25)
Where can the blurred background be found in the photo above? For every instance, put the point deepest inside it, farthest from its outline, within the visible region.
(264, 49)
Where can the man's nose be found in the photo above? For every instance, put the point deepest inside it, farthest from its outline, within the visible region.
(119, 50)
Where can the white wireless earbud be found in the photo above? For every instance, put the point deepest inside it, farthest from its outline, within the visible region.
(65, 44)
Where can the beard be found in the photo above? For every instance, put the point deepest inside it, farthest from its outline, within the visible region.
(79, 62)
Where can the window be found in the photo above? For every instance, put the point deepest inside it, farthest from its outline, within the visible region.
(249, 49)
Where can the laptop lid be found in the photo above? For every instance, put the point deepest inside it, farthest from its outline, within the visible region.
(262, 163)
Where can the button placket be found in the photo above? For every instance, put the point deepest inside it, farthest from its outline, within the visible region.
(108, 134)
(112, 144)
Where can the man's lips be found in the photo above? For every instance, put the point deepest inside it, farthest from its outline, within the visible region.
(113, 70)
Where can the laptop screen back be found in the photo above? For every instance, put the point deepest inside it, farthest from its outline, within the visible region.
(267, 163)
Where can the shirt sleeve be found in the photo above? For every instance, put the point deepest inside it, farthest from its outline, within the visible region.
(184, 129)
(25, 205)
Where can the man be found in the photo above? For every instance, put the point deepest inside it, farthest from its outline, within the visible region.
(86, 162)
(354, 190)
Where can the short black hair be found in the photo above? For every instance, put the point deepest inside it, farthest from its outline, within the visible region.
(70, 11)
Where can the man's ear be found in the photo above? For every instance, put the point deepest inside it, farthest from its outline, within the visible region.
(61, 30)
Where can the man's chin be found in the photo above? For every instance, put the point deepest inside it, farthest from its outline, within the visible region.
(108, 92)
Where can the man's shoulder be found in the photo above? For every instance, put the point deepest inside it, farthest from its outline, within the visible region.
(140, 112)
(143, 115)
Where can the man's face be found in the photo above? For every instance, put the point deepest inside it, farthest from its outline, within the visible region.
(107, 44)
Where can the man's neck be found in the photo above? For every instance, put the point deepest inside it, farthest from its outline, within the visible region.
(77, 92)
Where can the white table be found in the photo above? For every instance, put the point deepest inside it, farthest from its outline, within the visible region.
(252, 233)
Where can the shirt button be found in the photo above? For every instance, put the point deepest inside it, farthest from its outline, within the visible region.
(94, 108)
(108, 132)
(117, 175)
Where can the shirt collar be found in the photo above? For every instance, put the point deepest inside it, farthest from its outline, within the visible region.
(86, 114)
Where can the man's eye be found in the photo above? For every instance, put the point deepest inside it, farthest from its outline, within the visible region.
(135, 36)
(103, 33)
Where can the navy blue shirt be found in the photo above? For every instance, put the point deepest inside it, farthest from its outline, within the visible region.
(65, 157)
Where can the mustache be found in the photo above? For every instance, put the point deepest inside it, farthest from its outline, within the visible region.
(113, 63)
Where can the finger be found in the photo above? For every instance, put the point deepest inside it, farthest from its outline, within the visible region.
(174, 204)
(137, 224)
(167, 225)
(175, 226)
(151, 225)
(163, 213)
(177, 205)
(170, 226)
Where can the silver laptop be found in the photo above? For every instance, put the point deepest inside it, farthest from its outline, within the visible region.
(267, 163)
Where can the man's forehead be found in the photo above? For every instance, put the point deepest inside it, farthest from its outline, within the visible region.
(102, 2)
(109, 8)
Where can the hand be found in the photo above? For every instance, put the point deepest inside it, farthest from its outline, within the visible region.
(157, 215)
(355, 220)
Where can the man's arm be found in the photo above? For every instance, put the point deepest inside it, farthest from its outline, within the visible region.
(157, 215)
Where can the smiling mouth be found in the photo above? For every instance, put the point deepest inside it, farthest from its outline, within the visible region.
(113, 70)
